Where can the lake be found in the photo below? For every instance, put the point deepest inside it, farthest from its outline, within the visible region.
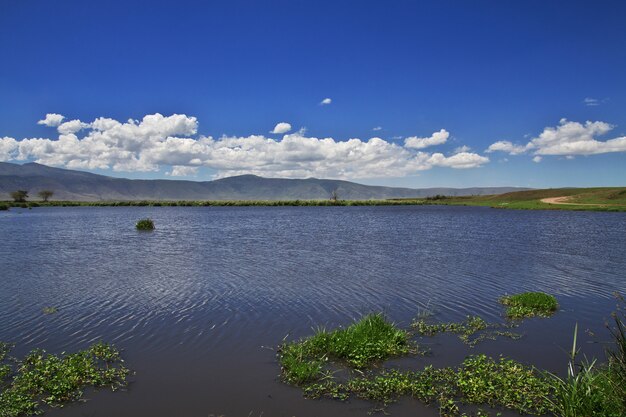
(199, 305)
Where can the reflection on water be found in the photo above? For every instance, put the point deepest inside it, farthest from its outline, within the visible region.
(199, 304)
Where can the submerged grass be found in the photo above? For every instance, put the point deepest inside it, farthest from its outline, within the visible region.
(529, 304)
(45, 379)
(369, 340)
(479, 380)
(471, 331)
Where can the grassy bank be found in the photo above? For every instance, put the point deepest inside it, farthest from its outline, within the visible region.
(218, 203)
(589, 199)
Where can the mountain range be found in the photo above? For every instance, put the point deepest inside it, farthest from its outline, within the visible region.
(71, 185)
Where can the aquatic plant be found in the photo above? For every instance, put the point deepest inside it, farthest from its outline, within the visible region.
(587, 390)
(49, 310)
(369, 340)
(4, 207)
(471, 331)
(45, 379)
(145, 224)
(617, 354)
(479, 380)
(529, 304)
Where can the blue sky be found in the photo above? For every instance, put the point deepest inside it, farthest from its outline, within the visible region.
(528, 75)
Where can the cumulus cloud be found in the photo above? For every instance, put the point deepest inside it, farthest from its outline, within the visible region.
(282, 127)
(506, 146)
(537, 159)
(326, 101)
(462, 149)
(8, 147)
(567, 139)
(159, 141)
(72, 126)
(183, 171)
(436, 138)
(377, 128)
(52, 120)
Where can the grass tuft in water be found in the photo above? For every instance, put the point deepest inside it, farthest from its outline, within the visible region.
(49, 310)
(529, 304)
(588, 390)
(45, 379)
(369, 340)
(145, 224)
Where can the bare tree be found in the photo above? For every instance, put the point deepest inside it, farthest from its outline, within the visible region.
(334, 195)
(45, 195)
(19, 196)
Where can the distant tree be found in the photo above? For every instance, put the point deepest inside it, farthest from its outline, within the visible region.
(334, 195)
(19, 196)
(45, 195)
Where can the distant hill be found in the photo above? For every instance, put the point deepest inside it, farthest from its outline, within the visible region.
(84, 186)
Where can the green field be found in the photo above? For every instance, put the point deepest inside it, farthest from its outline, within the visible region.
(594, 199)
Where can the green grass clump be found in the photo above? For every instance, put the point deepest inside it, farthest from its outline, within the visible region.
(589, 390)
(45, 379)
(369, 340)
(4, 207)
(529, 304)
(145, 224)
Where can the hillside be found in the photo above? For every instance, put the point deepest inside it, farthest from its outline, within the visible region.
(602, 198)
(72, 185)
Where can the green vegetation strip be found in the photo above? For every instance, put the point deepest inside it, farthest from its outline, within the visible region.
(45, 379)
(478, 381)
(529, 304)
(218, 203)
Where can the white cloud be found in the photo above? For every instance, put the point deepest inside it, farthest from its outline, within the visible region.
(568, 139)
(537, 159)
(282, 127)
(183, 171)
(506, 146)
(461, 160)
(8, 148)
(158, 141)
(52, 120)
(462, 149)
(72, 126)
(591, 101)
(377, 128)
(326, 101)
(436, 138)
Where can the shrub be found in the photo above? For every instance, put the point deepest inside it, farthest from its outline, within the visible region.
(145, 224)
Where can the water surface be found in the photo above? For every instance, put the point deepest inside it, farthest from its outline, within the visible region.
(199, 305)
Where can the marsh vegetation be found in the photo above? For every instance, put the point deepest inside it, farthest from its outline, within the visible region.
(43, 379)
(588, 389)
(145, 225)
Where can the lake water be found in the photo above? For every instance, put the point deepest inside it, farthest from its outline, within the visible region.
(199, 305)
